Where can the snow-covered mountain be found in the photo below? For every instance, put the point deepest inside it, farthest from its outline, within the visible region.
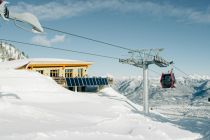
(194, 89)
(188, 99)
(10, 52)
(188, 102)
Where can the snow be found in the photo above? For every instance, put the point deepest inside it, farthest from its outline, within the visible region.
(33, 106)
(27, 18)
(13, 64)
(19, 63)
(200, 77)
(186, 105)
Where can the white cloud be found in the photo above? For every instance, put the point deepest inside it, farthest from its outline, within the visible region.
(70, 8)
(58, 38)
(43, 40)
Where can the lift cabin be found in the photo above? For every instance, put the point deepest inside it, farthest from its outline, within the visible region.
(168, 80)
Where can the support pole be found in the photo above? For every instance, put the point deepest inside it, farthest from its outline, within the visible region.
(75, 90)
(145, 96)
(142, 59)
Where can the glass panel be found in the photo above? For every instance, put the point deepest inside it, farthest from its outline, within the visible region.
(88, 81)
(80, 82)
(76, 81)
(69, 84)
(84, 81)
(68, 72)
(54, 73)
(91, 81)
(98, 81)
(80, 72)
(40, 71)
(106, 81)
(94, 81)
(103, 81)
(72, 82)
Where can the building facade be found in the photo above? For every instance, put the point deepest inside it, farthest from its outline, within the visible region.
(71, 74)
(58, 67)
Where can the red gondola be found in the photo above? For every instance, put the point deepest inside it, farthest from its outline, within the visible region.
(168, 80)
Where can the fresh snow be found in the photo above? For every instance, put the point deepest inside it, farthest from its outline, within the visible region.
(34, 107)
(186, 105)
(19, 63)
(199, 77)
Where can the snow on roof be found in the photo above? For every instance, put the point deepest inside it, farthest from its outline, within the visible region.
(19, 63)
(57, 61)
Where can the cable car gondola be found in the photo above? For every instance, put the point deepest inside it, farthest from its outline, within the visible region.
(168, 80)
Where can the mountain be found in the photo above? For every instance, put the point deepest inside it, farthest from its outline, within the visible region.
(191, 88)
(190, 91)
(10, 52)
(187, 104)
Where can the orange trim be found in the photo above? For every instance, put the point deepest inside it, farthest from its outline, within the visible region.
(57, 65)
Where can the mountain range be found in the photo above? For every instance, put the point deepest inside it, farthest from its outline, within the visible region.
(189, 97)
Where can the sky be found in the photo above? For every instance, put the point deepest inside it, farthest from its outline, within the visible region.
(181, 27)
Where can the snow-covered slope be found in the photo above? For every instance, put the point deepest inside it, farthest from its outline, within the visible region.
(187, 103)
(34, 107)
(9, 52)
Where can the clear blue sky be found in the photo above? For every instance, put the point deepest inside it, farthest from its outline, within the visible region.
(182, 27)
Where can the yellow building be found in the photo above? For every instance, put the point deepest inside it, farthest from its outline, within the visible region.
(71, 74)
(57, 67)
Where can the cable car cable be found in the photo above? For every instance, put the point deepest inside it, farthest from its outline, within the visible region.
(181, 71)
(87, 38)
(178, 69)
(68, 50)
(157, 73)
(91, 39)
(95, 40)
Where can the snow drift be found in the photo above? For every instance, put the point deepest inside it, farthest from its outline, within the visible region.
(33, 106)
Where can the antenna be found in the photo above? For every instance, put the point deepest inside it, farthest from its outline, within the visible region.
(142, 59)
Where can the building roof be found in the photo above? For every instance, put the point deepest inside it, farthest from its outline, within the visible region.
(57, 61)
(15, 64)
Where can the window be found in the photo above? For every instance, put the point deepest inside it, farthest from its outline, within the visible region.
(54, 73)
(40, 71)
(68, 73)
(80, 72)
